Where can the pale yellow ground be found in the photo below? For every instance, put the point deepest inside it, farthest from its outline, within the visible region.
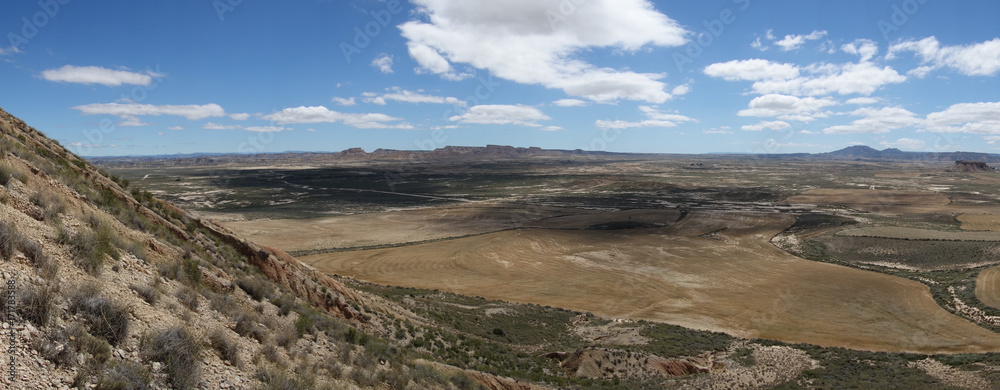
(990, 222)
(988, 287)
(739, 284)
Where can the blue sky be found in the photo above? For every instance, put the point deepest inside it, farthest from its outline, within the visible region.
(745, 76)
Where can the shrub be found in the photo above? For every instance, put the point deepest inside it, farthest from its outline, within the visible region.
(51, 205)
(188, 297)
(90, 249)
(47, 266)
(303, 324)
(285, 303)
(38, 302)
(286, 337)
(150, 294)
(57, 347)
(225, 346)
(8, 172)
(247, 326)
(105, 319)
(192, 271)
(8, 240)
(256, 288)
(124, 375)
(178, 350)
(277, 379)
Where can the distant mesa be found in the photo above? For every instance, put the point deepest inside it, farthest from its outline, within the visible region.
(971, 166)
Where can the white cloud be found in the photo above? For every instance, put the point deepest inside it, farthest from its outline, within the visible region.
(975, 118)
(344, 102)
(718, 130)
(98, 75)
(501, 114)
(787, 107)
(905, 144)
(552, 128)
(655, 119)
(991, 139)
(812, 80)
(864, 48)
(680, 90)
(216, 126)
(547, 43)
(239, 117)
(402, 95)
(874, 120)
(772, 125)
(978, 59)
(320, 114)
(792, 42)
(131, 121)
(191, 111)
(311, 130)
(809, 132)
(266, 129)
(383, 62)
(570, 103)
(175, 128)
(862, 101)
(752, 70)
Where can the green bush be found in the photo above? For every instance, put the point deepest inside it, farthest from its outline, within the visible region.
(255, 287)
(178, 350)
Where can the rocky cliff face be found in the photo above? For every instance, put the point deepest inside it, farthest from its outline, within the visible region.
(971, 166)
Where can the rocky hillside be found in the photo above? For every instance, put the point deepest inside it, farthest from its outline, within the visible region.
(971, 166)
(110, 288)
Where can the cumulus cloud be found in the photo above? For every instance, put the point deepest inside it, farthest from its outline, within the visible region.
(718, 130)
(546, 41)
(978, 59)
(502, 114)
(383, 62)
(216, 126)
(655, 118)
(792, 42)
(124, 110)
(402, 95)
(344, 102)
(239, 117)
(812, 80)
(975, 118)
(570, 103)
(874, 120)
(905, 144)
(552, 128)
(771, 125)
(788, 43)
(864, 48)
(787, 107)
(98, 75)
(752, 70)
(175, 128)
(320, 114)
(862, 101)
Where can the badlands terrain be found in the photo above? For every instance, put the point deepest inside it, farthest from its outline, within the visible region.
(840, 269)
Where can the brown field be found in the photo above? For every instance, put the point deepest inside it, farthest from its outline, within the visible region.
(988, 287)
(876, 201)
(735, 281)
(989, 222)
(906, 233)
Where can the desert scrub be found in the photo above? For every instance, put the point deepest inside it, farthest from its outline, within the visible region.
(227, 348)
(8, 171)
(104, 318)
(51, 205)
(255, 287)
(90, 249)
(179, 352)
(9, 238)
(47, 266)
(150, 293)
(124, 375)
(248, 325)
(38, 302)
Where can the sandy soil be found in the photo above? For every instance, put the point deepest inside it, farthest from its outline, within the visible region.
(736, 283)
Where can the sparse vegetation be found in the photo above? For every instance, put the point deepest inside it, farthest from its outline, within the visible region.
(104, 318)
(37, 303)
(179, 351)
(227, 348)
